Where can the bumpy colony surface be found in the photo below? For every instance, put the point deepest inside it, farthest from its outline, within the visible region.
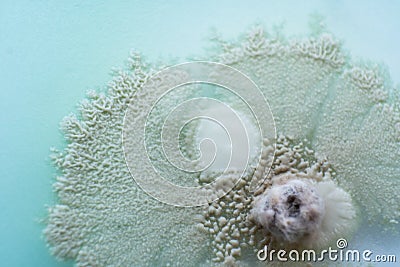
(339, 125)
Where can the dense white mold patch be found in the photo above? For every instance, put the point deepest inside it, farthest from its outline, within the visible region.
(211, 130)
(348, 114)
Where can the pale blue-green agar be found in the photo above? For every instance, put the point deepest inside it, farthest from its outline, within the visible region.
(51, 53)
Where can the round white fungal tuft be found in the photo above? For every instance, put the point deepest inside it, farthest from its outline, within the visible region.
(304, 212)
(290, 212)
(211, 130)
(340, 215)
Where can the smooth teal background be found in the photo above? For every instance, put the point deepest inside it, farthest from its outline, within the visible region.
(51, 52)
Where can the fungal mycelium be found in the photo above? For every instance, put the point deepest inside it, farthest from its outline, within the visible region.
(337, 152)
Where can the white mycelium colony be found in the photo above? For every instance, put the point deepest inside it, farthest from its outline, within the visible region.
(348, 113)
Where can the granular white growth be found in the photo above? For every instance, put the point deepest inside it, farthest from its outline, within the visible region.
(240, 225)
